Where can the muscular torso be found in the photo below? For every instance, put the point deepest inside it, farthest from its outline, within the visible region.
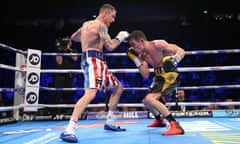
(153, 55)
(90, 38)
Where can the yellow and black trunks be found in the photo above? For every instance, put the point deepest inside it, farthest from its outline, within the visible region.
(165, 82)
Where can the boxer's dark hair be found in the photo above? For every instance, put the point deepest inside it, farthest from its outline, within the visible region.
(137, 35)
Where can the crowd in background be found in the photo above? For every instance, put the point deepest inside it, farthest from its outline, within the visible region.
(192, 35)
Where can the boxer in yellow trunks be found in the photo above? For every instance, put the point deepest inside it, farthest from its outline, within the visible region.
(163, 57)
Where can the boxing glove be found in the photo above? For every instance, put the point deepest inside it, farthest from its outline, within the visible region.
(134, 57)
(170, 62)
(122, 36)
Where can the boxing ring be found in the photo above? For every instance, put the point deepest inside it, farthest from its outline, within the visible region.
(28, 126)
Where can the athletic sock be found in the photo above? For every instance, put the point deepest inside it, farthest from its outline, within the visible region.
(71, 126)
(111, 118)
(158, 117)
(170, 118)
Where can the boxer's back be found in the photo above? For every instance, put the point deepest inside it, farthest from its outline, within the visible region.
(90, 38)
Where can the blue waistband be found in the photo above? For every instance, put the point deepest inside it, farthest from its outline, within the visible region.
(93, 53)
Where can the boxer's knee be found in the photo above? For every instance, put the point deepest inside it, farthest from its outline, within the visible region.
(147, 99)
(120, 88)
(89, 94)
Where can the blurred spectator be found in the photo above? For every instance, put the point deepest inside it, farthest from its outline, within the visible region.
(64, 80)
(229, 106)
(124, 108)
(196, 107)
(1, 100)
(211, 107)
(132, 109)
(96, 109)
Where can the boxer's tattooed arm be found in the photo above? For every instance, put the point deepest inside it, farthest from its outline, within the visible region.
(104, 34)
(108, 42)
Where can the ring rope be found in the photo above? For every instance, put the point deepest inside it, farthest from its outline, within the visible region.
(12, 49)
(121, 105)
(193, 87)
(180, 69)
(145, 88)
(210, 87)
(12, 89)
(124, 54)
(132, 88)
(8, 67)
(223, 51)
(8, 108)
(61, 54)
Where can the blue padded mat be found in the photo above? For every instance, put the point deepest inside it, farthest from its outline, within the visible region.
(197, 131)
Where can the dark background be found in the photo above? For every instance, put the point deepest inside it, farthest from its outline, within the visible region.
(193, 25)
(35, 23)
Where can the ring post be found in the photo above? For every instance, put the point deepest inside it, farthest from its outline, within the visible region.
(20, 78)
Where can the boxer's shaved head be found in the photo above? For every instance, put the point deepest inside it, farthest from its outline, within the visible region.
(105, 7)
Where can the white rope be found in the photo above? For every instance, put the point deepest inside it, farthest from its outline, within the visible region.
(180, 69)
(61, 71)
(7, 89)
(210, 87)
(11, 89)
(146, 88)
(8, 108)
(61, 54)
(3, 46)
(193, 87)
(60, 89)
(204, 103)
(223, 51)
(212, 68)
(11, 68)
(130, 88)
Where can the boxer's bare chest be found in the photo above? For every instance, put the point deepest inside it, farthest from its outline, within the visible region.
(153, 57)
